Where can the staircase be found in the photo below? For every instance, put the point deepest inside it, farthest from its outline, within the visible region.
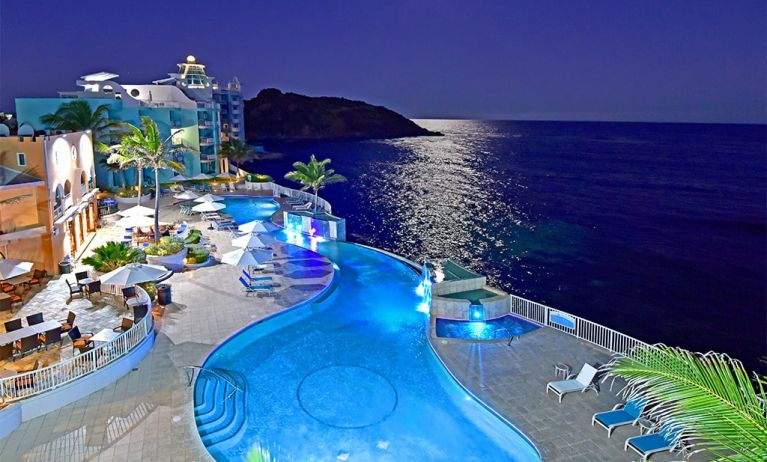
(219, 405)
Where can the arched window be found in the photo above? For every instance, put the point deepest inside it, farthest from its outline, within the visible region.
(92, 179)
(58, 207)
(67, 188)
(83, 183)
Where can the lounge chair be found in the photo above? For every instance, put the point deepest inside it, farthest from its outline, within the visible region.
(67, 324)
(253, 279)
(33, 319)
(255, 289)
(621, 414)
(666, 439)
(303, 208)
(583, 382)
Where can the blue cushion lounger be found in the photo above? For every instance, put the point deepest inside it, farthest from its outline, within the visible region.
(256, 278)
(646, 445)
(622, 414)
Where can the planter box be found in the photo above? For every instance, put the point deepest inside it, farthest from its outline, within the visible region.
(173, 262)
(198, 265)
(133, 200)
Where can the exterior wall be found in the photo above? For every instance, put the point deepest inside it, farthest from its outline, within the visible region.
(460, 285)
(232, 112)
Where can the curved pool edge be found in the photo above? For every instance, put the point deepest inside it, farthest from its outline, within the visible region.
(435, 354)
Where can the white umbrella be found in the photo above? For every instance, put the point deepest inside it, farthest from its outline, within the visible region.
(137, 211)
(209, 198)
(130, 222)
(201, 176)
(187, 195)
(208, 207)
(178, 178)
(258, 226)
(134, 273)
(225, 175)
(250, 241)
(247, 257)
(11, 267)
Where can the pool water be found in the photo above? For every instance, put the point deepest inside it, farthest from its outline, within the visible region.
(245, 209)
(351, 375)
(498, 328)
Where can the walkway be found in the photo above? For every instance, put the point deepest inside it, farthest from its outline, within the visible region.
(512, 380)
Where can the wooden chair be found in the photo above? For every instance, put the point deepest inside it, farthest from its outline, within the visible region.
(33, 319)
(50, 337)
(12, 325)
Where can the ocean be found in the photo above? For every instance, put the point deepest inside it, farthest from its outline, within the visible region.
(656, 230)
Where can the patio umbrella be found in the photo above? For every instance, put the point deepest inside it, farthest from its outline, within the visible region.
(209, 198)
(225, 175)
(134, 273)
(137, 211)
(208, 207)
(187, 195)
(201, 176)
(178, 178)
(247, 257)
(251, 241)
(11, 267)
(130, 222)
(258, 226)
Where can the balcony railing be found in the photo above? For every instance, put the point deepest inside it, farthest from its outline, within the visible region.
(206, 141)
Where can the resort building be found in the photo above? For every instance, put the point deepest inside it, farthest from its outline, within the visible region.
(184, 105)
(48, 205)
(229, 98)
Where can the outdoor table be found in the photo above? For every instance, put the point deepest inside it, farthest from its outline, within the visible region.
(105, 335)
(16, 335)
(562, 368)
(5, 373)
(84, 281)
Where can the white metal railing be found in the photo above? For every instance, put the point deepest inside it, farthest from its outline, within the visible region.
(40, 381)
(597, 334)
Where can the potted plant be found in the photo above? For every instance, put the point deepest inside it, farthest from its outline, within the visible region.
(169, 252)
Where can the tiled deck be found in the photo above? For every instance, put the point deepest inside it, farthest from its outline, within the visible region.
(512, 380)
(147, 415)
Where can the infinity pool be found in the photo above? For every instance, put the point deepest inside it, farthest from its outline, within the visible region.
(349, 377)
(244, 209)
(498, 328)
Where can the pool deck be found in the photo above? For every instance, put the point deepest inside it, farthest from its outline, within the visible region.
(512, 380)
(147, 414)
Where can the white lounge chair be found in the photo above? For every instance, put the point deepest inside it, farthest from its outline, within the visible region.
(583, 382)
(305, 207)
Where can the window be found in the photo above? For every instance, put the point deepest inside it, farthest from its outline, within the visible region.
(21, 159)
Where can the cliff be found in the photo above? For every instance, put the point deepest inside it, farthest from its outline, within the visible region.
(274, 115)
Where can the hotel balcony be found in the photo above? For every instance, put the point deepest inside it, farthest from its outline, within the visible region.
(205, 124)
(206, 141)
(208, 158)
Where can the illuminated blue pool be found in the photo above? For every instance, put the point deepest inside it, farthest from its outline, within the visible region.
(349, 375)
(244, 209)
(498, 328)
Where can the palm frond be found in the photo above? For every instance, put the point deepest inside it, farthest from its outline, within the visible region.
(710, 395)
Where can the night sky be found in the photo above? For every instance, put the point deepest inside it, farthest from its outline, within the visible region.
(566, 60)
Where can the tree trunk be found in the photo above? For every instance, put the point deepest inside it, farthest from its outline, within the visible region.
(121, 174)
(316, 195)
(140, 180)
(157, 205)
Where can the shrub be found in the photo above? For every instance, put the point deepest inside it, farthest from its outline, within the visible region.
(196, 254)
(168, 245)
(151, 289)
(113, 255)
(258, 178)
(127, 192)
(194, 237)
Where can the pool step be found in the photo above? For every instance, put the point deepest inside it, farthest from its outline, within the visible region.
(219, 409)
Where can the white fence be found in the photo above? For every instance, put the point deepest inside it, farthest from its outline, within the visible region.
(574, 325)
(278, 190)
(39, 381)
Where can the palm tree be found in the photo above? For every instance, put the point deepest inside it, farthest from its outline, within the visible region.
(314, 176)
(113, 255)
(124, 156)
(236, 151)
(156, 152)
(709, 396)
(77, 115)
(114, 168)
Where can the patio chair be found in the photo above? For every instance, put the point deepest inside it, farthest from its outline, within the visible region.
(12, 325)
(81, 275)
(125, 326)
(50, 336)
(255, 278)
(80, 340)
(255, 289)
(620, 415)
(29, 380)
(666, 439)
(16, 299)
(139, 312)
(6, 352)
(33, 319)
(67, 324)
(93, 288)
(5, 304)
(37, 277)
(8, 287)
(27, 344)
(75, 289)
(128, 293)
(583, 382)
